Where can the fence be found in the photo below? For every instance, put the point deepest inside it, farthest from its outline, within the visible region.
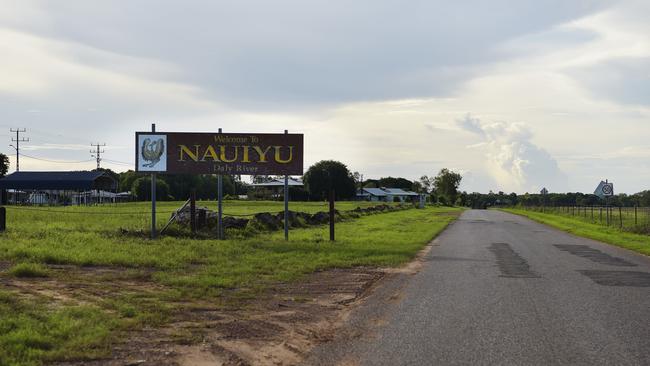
(636, 219)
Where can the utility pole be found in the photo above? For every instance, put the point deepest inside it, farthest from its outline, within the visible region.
(97, 152)
(18, 140)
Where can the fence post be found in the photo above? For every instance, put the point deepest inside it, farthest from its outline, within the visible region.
(332, 214)
(3, 219)
(620, 217)
(193, 210)
(636, 220)
(600, 219)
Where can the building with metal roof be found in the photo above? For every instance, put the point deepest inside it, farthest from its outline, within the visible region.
(386, 194)
(54, 187)
(78, 180)
(279, 183)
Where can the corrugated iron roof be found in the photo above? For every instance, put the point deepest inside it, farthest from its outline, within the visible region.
(399, 192)
(375, 192)
(81, 180)
(279, 183)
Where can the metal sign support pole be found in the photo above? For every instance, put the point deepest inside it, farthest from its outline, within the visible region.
(153, 197)
(286, 203)
(286, 207)
(220, 207)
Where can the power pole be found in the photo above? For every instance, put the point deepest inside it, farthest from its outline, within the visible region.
(18, 140)
(97, 153)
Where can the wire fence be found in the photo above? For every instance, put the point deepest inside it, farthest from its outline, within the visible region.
(635, 219)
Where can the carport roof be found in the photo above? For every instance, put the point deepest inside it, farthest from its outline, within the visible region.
(76, 180)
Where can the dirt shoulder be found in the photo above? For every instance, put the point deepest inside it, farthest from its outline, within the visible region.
(279, 328)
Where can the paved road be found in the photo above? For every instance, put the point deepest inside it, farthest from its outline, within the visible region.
(498, 289)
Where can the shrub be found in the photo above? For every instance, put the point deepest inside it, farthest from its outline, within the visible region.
(29, 270)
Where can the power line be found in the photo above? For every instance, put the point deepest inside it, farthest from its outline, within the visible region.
(18, 140)
(57, 161)
(117, 162)
(97, 152)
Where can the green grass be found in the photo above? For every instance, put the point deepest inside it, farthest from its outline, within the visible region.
(31, 333)
(637, 242)
(137, 215)
(29, 270)
(179, 270)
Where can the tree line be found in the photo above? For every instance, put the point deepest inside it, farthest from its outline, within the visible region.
(318, 180)
(482, 200)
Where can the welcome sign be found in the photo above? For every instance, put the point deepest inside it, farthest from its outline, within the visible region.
(219, 153)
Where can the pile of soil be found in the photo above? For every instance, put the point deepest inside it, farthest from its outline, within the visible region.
(207, 219)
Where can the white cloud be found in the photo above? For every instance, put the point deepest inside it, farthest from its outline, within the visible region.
(514, 162)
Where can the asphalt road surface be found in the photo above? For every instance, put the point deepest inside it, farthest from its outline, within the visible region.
(499, 289)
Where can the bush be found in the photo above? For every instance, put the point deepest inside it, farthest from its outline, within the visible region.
(29, 270)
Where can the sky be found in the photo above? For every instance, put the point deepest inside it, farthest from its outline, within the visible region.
(515, 95)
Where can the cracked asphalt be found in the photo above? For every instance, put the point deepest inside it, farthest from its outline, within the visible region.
(499, 289)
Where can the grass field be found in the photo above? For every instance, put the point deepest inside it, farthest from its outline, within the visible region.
(137, 215)
(86, 251)
(579, 226)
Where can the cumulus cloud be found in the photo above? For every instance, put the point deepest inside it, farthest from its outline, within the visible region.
(513, 160)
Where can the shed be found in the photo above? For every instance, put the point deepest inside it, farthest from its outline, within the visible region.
(59, 181)
(53, 187)
(372, 194)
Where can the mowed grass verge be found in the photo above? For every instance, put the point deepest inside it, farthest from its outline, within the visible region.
(173, 271)
(637, 242)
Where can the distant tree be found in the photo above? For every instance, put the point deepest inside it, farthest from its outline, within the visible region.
(4, 165)
(111, 174)
(390, 182)
(417, 187)
(446, 185)
(358, 179)
(426, 183)
(327, 174)
(126, 180)
(370, 183)
(142, 189)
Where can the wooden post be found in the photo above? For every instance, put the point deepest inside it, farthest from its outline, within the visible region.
(600, 210)
(153, 197)
(193, 210)
(620, 217)
(202, 219)
(636, 218)
(3, 219)
(332, 215)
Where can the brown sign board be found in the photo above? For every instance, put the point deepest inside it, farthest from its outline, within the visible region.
(219, 153)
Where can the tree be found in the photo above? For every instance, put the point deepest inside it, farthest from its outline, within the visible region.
(327, 174)
(4, 165)
(446, 185)
(426, 183)
(358, 179)
(142, 189)
(390, 182)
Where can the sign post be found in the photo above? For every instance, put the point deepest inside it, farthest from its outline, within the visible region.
(544, 192)
(220, 154)
(605, 190)
(286, 203)
(153, 197)
(220, 204)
